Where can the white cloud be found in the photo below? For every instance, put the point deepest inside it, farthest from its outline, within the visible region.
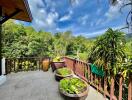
(84, 19)
(43, 19)
(100, 22)
(75, 2)
(67, 16)
(97, 33)
(114, 11)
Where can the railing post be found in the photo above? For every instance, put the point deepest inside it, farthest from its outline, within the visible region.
(88, 73)
(130, 88)
(120, 87)
(74, 65)
(0, 42)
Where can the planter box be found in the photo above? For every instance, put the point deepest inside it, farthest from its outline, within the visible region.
(45, 64)
(56, 65)
(58, 77)
(81, 96)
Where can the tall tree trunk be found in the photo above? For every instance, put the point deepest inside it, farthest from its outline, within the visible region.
(112, 88)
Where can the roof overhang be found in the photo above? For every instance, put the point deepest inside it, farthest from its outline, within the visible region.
(19, 8)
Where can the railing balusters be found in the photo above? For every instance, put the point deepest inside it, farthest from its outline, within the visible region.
(17, 64)
(89, 73)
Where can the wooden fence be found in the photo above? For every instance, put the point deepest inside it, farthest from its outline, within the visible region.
(23, 64)
(109, 87)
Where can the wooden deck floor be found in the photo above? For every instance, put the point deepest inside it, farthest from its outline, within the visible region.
(36, 85)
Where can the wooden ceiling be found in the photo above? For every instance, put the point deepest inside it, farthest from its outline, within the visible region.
(10, 6)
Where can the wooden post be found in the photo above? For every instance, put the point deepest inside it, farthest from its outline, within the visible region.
(74, 65)
(6, 70)
(91, 77)
(130, 88)
(88, 73)
(0, 42)
(120, 87)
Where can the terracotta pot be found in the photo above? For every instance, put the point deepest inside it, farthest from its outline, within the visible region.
(58, 77)
(56, 65)
(45, 64)
(68, 96)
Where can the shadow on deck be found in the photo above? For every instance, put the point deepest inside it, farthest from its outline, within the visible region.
(36, 85)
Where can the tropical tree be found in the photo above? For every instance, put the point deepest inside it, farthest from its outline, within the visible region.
(61, 41)
(109, 51)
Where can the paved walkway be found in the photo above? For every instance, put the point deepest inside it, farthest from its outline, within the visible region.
(35, 85)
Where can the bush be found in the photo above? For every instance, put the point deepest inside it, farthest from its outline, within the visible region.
(73, 85)
(63, 71)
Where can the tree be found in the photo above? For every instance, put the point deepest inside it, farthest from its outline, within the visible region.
(61, 41)
(108, 52)
(14, 40)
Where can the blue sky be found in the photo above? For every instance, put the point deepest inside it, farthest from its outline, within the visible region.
(89, 18)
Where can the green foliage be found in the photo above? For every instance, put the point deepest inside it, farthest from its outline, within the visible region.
(24, 41)
(57, 59)
(72, 85)
(63, 71)
(127, 68)
(108, 50)
(25, 65)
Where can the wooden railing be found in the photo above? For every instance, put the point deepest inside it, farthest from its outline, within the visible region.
(23, 64)
(114, 89)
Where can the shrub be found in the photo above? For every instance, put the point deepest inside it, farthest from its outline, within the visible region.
(73, 85)
(63, 71)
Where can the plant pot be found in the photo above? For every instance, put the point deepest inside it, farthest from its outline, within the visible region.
(80, 96)
(56, 65)
(45, 64)
(58, 77)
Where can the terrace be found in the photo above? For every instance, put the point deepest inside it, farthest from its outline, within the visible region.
(34, 84)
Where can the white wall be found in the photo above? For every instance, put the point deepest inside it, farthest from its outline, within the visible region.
(3, 77)
(3, 66)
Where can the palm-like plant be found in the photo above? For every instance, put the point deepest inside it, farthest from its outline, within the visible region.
(109, 50)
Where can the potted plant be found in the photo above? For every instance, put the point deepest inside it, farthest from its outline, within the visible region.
(57, 63)
(63, 73)
(73, 88)
(45, 64)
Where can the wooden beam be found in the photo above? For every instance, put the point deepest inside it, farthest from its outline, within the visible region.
(5, 18)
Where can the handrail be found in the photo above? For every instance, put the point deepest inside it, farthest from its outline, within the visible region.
(108, 87)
